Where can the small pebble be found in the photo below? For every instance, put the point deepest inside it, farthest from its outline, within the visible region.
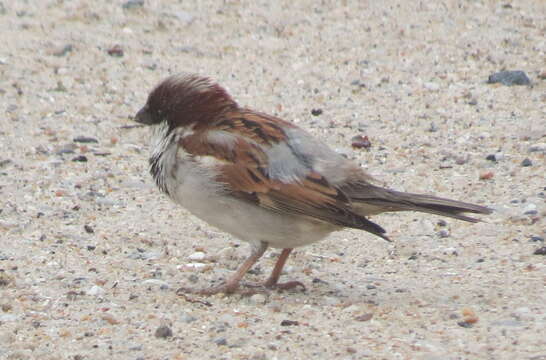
(539, 147)
(85, 139)
(194, 266)
(220, 341)
(540, 251)
(469, 316)
(432, 86)
(486, 175)
(67, 149)
(80, 158)
(290, 323)
(133, 4)
(360, 142)
(509, 78)
(8, 318)
(258, 299)
(316, 112)
(536, 239)
(96, 291)
(163, 332)
(465, 324)
(526, 162)
(530, 209)
(364, 317)
(88, 229)
(197, 256)
(495, 157)
(443, 233)
(115, 51)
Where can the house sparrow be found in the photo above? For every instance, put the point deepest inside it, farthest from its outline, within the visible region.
(260, 178)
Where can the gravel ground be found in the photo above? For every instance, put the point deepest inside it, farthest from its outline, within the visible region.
(91, 254)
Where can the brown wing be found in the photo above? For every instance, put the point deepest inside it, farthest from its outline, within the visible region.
(243, 163)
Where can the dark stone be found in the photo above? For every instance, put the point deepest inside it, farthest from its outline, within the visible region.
(163, 332)
(85, 139)
(316, 112)
(360, 142)
(540, 251)
(464, 324)
(133, 4)
(80, 158)
(289, 323)
(509, 78)
(526, 162)
(115, 51)
(220, 341)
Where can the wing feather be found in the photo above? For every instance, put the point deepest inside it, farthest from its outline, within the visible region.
(243, 167)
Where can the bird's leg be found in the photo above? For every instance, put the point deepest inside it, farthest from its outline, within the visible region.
(233, 282)
(273, 280)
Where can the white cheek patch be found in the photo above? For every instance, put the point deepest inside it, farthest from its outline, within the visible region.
(159, 140)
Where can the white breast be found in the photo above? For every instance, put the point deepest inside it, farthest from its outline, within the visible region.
(190, 181)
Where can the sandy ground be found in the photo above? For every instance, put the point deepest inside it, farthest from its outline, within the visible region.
(91, 254)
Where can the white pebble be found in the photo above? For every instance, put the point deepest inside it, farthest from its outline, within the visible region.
(432, 86)
(530, 207)
(197, 256)
(258, 299)
(499, 156)
(195, 266)
(95, 291)
(8, 317)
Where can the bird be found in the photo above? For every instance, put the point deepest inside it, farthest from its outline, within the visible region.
(262, 179)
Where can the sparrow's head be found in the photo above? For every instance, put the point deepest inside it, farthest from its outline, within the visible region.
(183, 100)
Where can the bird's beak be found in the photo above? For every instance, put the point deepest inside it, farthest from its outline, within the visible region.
(143, 116)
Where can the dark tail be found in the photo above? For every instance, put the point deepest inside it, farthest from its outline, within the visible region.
(374, 200)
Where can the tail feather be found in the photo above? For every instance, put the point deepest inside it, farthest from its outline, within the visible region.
(376, 200)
